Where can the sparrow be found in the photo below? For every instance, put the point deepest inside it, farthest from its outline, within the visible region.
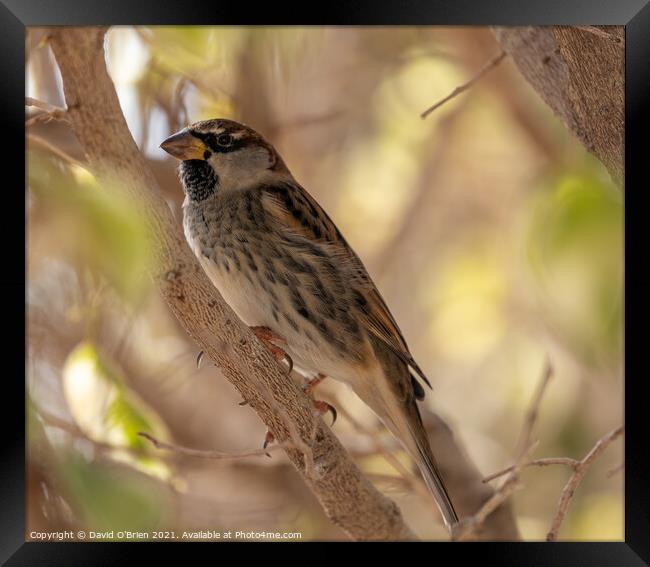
(283, 266)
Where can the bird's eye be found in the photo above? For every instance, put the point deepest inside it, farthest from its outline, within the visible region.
(224, 140)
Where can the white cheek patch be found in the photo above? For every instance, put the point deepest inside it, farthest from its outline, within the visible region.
(241, 168)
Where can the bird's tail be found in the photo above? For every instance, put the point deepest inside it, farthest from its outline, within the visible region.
(405, 423)
(428, 467)
(392, 396)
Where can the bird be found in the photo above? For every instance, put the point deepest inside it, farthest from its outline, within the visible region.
(284, 267)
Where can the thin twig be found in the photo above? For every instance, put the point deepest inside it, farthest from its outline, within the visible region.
(469, 526)
(33, 138)
(50, 420)
(569, 489)
(533, 411)
(462, 88)
(202, 454)
(50, 112)
(42, 105)
(389, 478)
(573, 463)
(616, 469)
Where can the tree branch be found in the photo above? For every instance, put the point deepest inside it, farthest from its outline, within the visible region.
(347, 497)
(493, 62)
(525, 447)
(533, 411)
(579, 472)
(50, 112)
(579, 72)
(215, 455)
(601, 33)
(579, 466)
(568, 461)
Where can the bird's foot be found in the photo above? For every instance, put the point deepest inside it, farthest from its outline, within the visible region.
(267, 336)
(320, 407)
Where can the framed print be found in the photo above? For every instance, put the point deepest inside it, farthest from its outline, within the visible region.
(362, 276)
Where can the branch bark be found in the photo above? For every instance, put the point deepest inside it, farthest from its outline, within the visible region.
(347, 497)
(579, 73)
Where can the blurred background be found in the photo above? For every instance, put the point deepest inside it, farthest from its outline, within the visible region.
(495, 238)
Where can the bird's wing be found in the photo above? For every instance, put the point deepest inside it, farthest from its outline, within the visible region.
(293, 207)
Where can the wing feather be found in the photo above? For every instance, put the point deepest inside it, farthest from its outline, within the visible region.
(294, 208)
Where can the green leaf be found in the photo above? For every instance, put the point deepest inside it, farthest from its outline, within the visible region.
(575, 248)
(99, 227)
(108, 412)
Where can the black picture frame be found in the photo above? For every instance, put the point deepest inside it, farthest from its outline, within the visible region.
(16, 15)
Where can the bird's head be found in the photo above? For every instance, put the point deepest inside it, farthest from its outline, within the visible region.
(222, 155)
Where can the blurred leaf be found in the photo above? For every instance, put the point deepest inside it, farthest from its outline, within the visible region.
(279, 50)
(34, 429)
(465, 304)
(114, 498)
(574, 438)
(101, 228)
(575, 250)
(192, 49)
(107, 411)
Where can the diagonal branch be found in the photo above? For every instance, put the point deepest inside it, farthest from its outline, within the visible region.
(579, 72)
(493, 62)
(346, 496)
(579, 470)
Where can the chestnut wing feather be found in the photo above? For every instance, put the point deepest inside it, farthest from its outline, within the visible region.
(294, 208)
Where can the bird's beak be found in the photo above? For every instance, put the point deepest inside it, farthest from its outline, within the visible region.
(183, 145)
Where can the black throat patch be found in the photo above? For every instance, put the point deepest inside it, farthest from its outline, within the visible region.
(198, 178)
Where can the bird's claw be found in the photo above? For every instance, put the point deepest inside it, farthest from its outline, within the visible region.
(267, 336)
(289, 362)
(199, 358)
(268, 438)
(323, 407)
